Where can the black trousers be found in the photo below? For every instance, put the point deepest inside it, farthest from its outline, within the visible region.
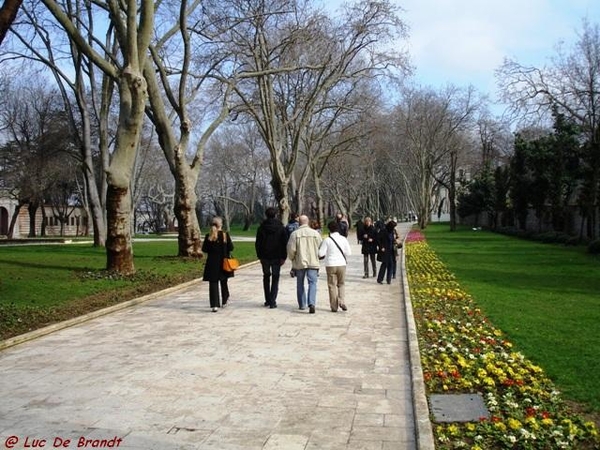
(213, 292)
(271, 269)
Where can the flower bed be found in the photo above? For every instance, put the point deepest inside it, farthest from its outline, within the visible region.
(462, 352)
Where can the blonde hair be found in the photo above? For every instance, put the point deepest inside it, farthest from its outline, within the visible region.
(215, 227)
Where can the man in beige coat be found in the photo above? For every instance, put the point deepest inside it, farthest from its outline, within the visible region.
(303, 251)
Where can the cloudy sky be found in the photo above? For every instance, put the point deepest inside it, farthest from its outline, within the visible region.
(464, 41)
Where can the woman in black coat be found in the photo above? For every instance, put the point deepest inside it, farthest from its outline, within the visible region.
(217, 245)
(368, 239)
(386, 252)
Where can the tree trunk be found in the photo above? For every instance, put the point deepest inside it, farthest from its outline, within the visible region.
(93, 196)
(97, 214)
(452, 201)
(32, 209)
(280, 188)
(319, 195)
(189, 234)
(8, 13)
(13, 221)
(247, 221)
(44, 222)
(452, 189)
(119, 252)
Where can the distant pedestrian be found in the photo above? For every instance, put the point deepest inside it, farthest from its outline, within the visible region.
(385, 252)
(270, 245)
(316, 225)
(303, 251)
(359, 230)
(292, 226)
(335, 249)
(343, 225)
(397, 247)
(369, 246)
(217, 245)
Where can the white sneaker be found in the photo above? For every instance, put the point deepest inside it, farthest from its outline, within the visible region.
(215, 309)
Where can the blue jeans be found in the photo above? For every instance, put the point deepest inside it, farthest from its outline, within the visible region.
(271, 269)
(312, 276)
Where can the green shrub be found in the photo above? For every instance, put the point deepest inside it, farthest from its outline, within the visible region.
(572, 241)
(594, 247)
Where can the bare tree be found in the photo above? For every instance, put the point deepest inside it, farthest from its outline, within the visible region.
(39, 142)
(182, 60)
(235, 174)
(428, 125)
(571, 84)
(134, 27)
(153, 187)
(76, 80)
(293, 58)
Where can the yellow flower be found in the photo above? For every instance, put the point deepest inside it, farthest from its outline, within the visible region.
(453, 430)
(489, 381)
(500, 426)
(591, 428)
(532, 422)
(547, 421)
(462, 362)
(514, 424)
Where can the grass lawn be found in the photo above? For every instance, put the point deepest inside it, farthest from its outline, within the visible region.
(544, 297)
(43, 284)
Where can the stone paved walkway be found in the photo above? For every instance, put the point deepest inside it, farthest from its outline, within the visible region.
(170, 374)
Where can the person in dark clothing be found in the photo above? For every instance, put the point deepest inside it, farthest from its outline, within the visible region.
(343, 225)
(292, 225)
(270, 245)
(359, 230)
(217, 245)
(385, 252)
(368, 240)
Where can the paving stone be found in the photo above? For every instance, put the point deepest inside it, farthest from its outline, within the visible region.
(286, 442)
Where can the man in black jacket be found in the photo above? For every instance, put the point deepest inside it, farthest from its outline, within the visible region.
(271, 242)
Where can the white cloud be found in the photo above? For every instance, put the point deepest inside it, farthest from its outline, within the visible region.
(464, 41)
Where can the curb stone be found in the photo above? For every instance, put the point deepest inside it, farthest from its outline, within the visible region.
(423, 428)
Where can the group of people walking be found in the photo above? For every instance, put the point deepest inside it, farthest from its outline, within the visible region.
(379, 242)
(302, 243)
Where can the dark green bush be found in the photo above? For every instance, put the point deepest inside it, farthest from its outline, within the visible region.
(572, 241)
(594, 247)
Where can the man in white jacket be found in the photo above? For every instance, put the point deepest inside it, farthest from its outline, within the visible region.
(335, 249)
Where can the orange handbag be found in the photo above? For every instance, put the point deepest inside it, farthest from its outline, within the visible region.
(230, 264)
